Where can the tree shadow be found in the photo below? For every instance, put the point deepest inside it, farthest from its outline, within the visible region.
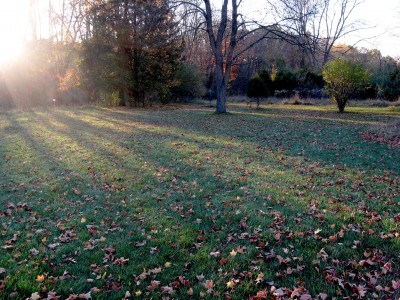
(175, 168)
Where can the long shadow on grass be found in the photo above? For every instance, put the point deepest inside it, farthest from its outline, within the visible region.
(212, 142)
(186, 140)
(218, 168)
(29, 147)
(195, 140)
(325, 137)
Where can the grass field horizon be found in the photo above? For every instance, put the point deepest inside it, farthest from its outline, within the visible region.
(284, 202)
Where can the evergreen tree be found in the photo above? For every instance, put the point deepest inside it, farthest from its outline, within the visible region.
(134, 49)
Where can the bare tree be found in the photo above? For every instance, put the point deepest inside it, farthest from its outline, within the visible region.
(316, 25)
(197, 50)
(33, 19)
(223, 54)
(68, 22)
(225, 28)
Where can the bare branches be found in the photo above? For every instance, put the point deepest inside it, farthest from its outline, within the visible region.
(316, 25)
(193, 4)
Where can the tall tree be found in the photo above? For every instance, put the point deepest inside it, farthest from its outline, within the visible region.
(223, 54)
(225, 28)
(142, 41)
(316, 25)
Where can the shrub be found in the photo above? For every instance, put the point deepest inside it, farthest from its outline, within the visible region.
(284, 80)
(110, 99)
(343, 78)
(188, 83)
(282, 94)
(309, 80)
(389, 85)
(256, 88)
(6, 99)
(259, 86)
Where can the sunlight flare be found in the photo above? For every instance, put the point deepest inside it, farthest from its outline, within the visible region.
(12, 29)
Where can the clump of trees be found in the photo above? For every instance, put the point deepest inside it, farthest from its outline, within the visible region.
(343, 78)
(285, 83)
(133, 53)
(383, 81)
(188, 83)
(119, 52)
(135, 48)
(386, 84)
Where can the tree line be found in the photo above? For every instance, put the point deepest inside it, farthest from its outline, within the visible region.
(137, 52)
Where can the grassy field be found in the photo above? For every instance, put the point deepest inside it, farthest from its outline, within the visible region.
(181, 203)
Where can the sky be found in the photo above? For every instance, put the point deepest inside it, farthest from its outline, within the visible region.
(12, 28)
(383, 16)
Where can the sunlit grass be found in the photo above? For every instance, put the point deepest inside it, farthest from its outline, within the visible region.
(178, 186)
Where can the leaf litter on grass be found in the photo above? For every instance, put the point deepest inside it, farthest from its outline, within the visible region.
(278, 204)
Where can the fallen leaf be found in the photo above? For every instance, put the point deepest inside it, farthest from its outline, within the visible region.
(200, 277)
(223, 261)
(53, 246)
(86, 296)
(260, 278)
(260, 295)
(35, 296)
(168, 290)
(155, 271)
(396, 284)
(127, 295)
(215, 254)
(322, 296)
(279, 293)
(95, 290)
(141, 244)
(121, 261)
(230, 284)
(154, 284)
(34, 252)
(209, 284)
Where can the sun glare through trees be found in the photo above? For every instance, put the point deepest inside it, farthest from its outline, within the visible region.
(12, 30)
(198, 149)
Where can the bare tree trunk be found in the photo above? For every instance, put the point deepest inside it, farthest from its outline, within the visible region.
(221, 85)
(33, 19)
(223, 57)
(223, 38)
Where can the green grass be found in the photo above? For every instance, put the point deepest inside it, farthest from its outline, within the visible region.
(99, 200)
